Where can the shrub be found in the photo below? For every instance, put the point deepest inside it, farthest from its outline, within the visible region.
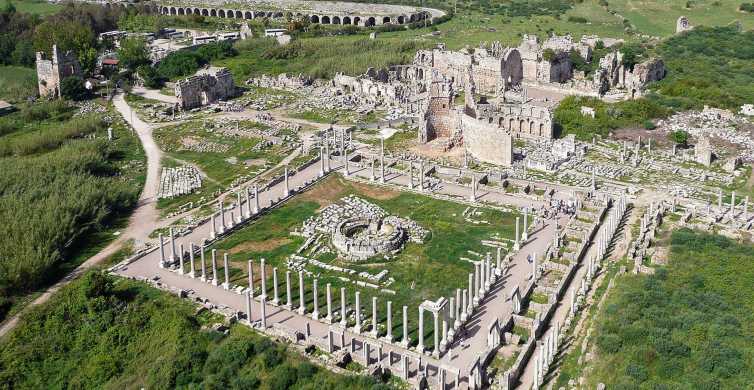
(577, 19)
(649, 125)
(73, 88)
(746, 7)
(680, 137)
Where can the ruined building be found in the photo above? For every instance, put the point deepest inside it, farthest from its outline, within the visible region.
(205, 87)
(50, 72)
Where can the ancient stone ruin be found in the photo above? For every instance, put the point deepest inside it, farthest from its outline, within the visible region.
(207, 86)
(50, 72)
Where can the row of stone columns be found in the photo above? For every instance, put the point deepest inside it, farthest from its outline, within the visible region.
(548, 350)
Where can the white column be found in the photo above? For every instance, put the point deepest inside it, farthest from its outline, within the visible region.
(172, 246)
(251, 278)
(192, 272)
(222, 217)
(315, 313)
(263, 275)
(328, 318)
(420, 345)
(374, 317)
(343, 320)
(382, 159)
(239, 207)
(436, 335)
(204, 267)
(275, 297)
(162, 252)
(516, 243)
(525, 234)
(286, 189)
(215, 282)
(471, 294)
(357, 327)
(288, 299)
(301, 296)
(248, 306)
(389, 332)
(321, 162)
(256, 199)
(406, 340)
(180, 261)
(263, 310)
(226, 266)
(248, 203)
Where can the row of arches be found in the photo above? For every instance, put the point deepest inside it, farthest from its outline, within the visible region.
(366, 21)
(525, 126)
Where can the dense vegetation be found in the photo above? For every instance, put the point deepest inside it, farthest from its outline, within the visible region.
(705, 66)
(689, 326)
(100, 332)
(57, 185)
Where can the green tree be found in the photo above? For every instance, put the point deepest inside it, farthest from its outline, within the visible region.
(149, 75)
(133, 53)
(67, 35)
(680, 137)
(73, 88)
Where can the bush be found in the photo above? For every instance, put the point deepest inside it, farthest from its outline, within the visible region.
(73, 88)
(649, 125)
(577, 19)
(746, 7)
(680, 137)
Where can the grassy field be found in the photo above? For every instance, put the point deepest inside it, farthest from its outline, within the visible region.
(421, 271)
(17, 83)
(227, 159)
(39, 7)
(109, 333)
(687, 326)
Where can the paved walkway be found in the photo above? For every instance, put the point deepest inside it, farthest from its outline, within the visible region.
(495, 306)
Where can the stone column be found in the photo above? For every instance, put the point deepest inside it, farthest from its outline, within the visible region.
(192, 272)
(436, 334)
(374, 317)
(263, 310)
(357, 327)
(343, 320)
(263, 275)
(180, 261)
(732, 203)
(286, 189)
(477, 290)
(275, 296)
(204, 267)
(256, 199)
(464, 307)
(172, 246)
(248, 306)
(321, 162)
(251, 277)
(301, 295)
(288, 299)
(315, 313)
(411, 174)
(248, 203)
(213, 230)
(471, 294)
(239, 207)
(226, 266)
(420, 345)
(405, 340)
(329, 316)
(389, 331)
(222, 217)
(382, 160)
(215, 282)
(516, 243)
(162, 252)
(525, 234)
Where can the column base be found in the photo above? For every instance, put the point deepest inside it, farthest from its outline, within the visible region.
(315, 316)
(215, 282)
(226, 286)
(301, 311)
(388, 338)
(328, 319)
(192, 275)
(405, 343)
(275, 302)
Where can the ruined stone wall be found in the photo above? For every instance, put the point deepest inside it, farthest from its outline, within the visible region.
(438, 119)
(526, 120)
(487, 73)
(206, 87)
(487, 143)
(51, 72)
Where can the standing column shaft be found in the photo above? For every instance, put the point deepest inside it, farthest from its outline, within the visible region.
(275, 297)
(315, 295)
(420, 345)
(263, 275)
(389, 332)
(215, 282)
(226, 268)
(329, 303)
(301, 297)
(405, 339)
(204, 267)
(288, 299)
(343, 320)
(251, 278)
(357, 307)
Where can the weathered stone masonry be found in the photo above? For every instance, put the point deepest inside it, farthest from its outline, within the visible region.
(50, 72)
(206, 87)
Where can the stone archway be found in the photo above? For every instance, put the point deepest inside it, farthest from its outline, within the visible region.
(401, 19)
(315, 19)
(335, 20)
(513, 68)
(205, 12)
(521, 126)
(165, 11)
(181, 11)
(248, 15)
(541, 129)
(346, 20)
(386, 20)
(213, 12)
(325, 20)
(221, 13)
(369, 22)
(239, 15)
(173, 11)
(357, 21)
(510, 124)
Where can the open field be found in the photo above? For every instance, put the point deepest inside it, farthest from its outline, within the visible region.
(420, 271)
(40, 7)
(17, 83)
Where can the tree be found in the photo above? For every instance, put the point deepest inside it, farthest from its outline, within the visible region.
(149, 75)
(133, 53)
(23, 54)
(73, 88)
(680, 137)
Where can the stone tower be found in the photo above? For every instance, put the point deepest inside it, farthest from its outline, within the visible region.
(50, 72)
(438, 119)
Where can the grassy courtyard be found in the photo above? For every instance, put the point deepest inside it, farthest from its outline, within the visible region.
(421, 271)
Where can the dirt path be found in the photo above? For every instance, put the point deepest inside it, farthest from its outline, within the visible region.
(140, 224)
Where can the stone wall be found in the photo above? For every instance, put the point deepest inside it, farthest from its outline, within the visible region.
(50, 72)
(487, 143)
(206, 87)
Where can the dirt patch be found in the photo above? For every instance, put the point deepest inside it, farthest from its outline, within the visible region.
(262, 246)
(659, 138)
(325, 193)
(376, 192)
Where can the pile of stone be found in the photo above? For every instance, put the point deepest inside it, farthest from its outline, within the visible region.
(179, 181)
(711, 122)
(203, 146)
(86, 108)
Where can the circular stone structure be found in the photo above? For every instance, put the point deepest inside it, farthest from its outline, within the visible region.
(359, 239)
(323, 12)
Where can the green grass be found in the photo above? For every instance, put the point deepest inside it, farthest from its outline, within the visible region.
(434, 268)
(688, 325)
(104, 332)
(17, 83)
(39, 7)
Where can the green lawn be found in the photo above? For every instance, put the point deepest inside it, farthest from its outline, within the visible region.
(421, 271)
(17, 83)
(40, 7)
